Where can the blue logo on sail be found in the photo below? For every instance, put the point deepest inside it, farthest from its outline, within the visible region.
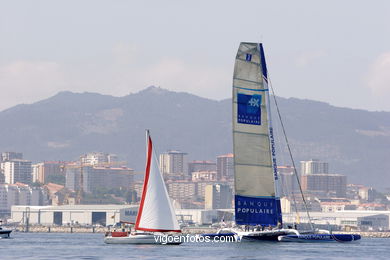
(249, 109)
(257, 211)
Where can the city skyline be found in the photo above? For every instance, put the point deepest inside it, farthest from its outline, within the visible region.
(270, 123)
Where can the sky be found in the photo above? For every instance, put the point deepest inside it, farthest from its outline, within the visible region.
(332, 51)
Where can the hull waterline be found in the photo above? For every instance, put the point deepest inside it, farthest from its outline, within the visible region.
(147, 239)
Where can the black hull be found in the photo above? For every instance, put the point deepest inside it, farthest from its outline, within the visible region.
(261, 238)
(265, 236)
(5, 233)
(271, 235)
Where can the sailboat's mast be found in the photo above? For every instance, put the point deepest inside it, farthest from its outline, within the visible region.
(270, 128)
(147, 134)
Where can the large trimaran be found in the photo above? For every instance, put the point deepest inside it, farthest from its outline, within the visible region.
(257, 201)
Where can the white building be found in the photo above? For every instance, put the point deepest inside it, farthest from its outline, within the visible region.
(75, 214)
(96, 158)
(314, 166)
(17, 171)
(355, 219)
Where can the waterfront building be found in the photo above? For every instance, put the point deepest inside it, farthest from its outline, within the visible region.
(225, 169)
(373, 220)
(314, 166)
(68, 215)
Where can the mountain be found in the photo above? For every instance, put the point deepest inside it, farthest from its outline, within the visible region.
(354, 142)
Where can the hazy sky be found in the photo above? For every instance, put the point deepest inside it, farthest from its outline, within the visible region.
(332, 51)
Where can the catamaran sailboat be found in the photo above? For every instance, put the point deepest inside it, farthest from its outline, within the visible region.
(257, 201)
(156, 216)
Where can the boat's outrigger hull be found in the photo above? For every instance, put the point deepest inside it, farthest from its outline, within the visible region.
(319, 238)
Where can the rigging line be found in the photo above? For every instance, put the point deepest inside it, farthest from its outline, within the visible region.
(285, 186)
(290, 153)
(288, 187)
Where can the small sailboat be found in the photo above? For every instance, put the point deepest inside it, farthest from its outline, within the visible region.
(156, 218)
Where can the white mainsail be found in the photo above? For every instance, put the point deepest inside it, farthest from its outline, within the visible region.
(256, 198)
(156, 213)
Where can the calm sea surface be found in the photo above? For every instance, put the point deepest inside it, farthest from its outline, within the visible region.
(91, 246)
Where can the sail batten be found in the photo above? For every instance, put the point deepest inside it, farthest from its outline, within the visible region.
(256, 196)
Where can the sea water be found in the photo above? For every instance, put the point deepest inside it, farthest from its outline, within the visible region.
(91, 246)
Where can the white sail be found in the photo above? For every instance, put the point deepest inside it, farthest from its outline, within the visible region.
(256, 200)
(156, 213)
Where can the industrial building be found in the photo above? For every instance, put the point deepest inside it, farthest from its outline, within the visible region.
(364, 220)
(204, 216)
(87, 215)
(74, 214)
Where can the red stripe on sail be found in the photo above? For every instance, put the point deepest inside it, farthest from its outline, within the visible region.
(146, 180)
(158, 230)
